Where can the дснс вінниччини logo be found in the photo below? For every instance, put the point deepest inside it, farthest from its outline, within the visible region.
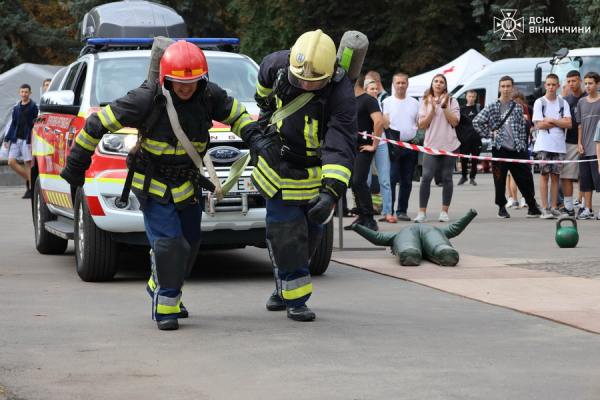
(508, 24)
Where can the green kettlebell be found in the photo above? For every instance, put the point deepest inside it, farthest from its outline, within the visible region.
(566, 236)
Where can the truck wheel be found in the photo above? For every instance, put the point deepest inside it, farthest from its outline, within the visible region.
(95, 251)
(320, 260)
(45, 242)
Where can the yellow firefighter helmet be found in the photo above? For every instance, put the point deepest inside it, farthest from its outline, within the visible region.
(312, 61)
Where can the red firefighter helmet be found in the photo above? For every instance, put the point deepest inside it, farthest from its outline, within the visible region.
(183, 62)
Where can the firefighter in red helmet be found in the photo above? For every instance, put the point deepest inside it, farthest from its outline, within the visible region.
(161, 174)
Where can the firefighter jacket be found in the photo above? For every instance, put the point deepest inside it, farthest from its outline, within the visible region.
(318, 141)
(160, 146)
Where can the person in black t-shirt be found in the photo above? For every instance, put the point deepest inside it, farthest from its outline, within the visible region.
(470, 141)
(370, 121)
(570, 171)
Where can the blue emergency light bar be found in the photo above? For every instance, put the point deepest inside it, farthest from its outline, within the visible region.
(142, 41)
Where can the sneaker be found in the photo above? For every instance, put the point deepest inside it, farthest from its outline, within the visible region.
(547, 214)
(564, 211)
(444, 217)
(462, 180)
(556, 212)
(502, 213)
(510, 203)
(421, 217)
(473, 183)
(27, 194)
(576, 203)
(585, 214)
(403, 217)
(534, 212)
(523, 202)
(515, 205)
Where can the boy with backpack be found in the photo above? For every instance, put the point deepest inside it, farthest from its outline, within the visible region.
(551, 116)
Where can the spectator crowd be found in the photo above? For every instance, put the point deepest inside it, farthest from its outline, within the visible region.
(560, 129)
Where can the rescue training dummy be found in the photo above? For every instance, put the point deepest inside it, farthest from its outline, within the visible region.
(417, 242)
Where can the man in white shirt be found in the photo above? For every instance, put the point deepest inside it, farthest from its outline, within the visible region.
(400, 115)
(551, 116)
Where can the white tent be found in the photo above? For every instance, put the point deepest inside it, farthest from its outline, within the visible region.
(456, 72)
(10, 81)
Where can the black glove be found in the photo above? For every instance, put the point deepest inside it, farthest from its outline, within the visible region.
(260, 145)
(74, 172)
(321, 208)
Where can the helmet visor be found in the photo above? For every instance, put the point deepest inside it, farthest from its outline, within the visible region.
(186, 79)
(307, 85)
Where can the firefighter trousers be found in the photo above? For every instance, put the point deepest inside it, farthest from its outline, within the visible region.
(174, 237)
(292, 240)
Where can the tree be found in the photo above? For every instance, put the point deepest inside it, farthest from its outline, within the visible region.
(527, 44)
(32, 31)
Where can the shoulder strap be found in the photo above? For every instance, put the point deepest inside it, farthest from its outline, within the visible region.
(543, 100)
(478, 107)
(291, 107)
(158, 103)
(512, 107)
(561, 104)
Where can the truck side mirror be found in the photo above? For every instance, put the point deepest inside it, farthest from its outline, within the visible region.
(537, 79)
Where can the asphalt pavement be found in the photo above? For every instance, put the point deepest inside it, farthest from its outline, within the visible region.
(375, 336)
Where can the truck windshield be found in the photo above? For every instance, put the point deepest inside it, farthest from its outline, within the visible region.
(113, 78)
(582, 64)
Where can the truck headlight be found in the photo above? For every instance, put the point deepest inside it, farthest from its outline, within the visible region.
(117, 144)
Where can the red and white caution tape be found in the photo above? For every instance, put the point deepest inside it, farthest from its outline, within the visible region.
(429, 150)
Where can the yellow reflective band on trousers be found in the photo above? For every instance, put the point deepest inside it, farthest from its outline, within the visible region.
(108, 119)
(263, 91)
(86, 141)
(310, 135)
(168, 305)
(237, 109)
(156, 187)
(337, 172)
(291, 290)
(151, 283)
(182, 192)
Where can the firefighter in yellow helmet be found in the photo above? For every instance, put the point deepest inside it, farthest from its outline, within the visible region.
(317, 142)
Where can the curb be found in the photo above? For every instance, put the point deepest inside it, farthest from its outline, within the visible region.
(8, 177)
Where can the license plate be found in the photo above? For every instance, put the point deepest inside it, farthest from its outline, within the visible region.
(243, 185)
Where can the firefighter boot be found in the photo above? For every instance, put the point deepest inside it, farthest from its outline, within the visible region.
(184, 312)
(301, 313)
(275, 302)
(168, 324)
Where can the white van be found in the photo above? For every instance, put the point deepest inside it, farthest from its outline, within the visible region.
(486, 81)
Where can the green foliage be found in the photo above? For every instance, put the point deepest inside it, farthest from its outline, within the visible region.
(587, 12)
(528, 44)
(25, 37)
(404, 35)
